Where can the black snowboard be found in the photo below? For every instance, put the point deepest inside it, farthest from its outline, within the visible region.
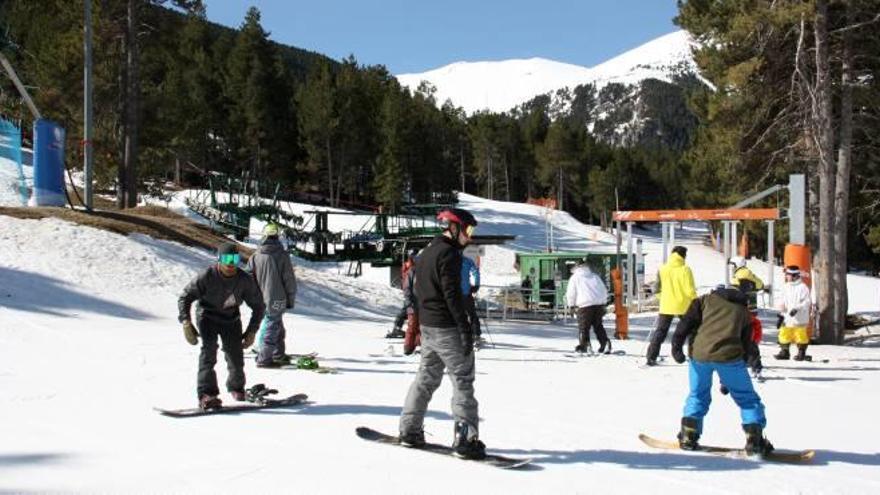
(491, 459)
(238, 407)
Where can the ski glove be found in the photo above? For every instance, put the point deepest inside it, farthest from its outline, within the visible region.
(792, 312)
(678, 355)
(247, 338)
(190, 333)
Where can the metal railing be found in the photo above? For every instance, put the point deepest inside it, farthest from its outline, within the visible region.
(513, 303)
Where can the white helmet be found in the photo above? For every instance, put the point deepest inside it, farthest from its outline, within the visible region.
(737, 262)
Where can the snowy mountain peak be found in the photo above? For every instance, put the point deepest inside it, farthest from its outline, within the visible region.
(499, 86)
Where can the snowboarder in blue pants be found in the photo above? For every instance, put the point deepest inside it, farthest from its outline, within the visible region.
(718, 329)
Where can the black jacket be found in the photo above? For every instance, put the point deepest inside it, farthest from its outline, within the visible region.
(717, 327)
(438, 286)
(219, 297)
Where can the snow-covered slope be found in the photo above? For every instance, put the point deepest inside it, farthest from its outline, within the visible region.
(89, 343)
(501, 85)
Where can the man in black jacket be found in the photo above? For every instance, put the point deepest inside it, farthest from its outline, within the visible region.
(446, 338)
(220, 290)
(718, 329)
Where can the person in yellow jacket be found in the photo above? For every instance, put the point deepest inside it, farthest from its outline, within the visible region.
(675, 283)
(746, 281)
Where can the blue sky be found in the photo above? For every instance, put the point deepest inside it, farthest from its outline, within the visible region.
(415, 36)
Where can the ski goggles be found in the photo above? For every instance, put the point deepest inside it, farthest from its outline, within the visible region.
(230, 259)
(469, 231)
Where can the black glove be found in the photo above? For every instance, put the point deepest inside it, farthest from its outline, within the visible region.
(678, 355)
(247, 338)
(467, 342)
(792, 312)
(190, 333)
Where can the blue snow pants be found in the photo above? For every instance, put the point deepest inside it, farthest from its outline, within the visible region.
(735, 377)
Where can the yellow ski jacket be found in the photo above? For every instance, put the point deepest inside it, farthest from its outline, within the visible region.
(677, 288)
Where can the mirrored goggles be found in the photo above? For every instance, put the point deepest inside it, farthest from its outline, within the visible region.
(469, 231)
(230, 259)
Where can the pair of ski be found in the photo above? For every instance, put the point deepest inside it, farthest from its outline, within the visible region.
(503, 462)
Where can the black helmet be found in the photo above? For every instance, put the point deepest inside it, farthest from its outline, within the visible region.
(456, 215)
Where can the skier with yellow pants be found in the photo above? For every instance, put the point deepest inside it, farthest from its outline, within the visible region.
(795, 312)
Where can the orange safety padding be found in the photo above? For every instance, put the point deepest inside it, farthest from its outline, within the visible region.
(800, 256)
(621, 315)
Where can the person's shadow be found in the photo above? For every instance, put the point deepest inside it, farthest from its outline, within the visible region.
(660, 460)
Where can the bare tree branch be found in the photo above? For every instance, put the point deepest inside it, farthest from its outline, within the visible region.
(855, 26)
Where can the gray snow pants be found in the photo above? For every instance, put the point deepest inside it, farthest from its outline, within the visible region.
(441, 350)
(272, 335)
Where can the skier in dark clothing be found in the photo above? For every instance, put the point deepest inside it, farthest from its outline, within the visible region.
(413, 334)
(220, 290)
(402, 315)
(447, 338)
(719, 331)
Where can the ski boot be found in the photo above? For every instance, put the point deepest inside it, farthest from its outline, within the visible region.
(605, 347)
(783, 353)
(237, 395)
(584, 348)
(756, 443)
(467, 445)
(689, 435)
(414, 440)
(395, 333)
(283, 360)
(207, 402)
(802, 353)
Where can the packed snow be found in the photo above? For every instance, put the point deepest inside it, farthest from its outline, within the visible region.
(89, 344)
(498, 86)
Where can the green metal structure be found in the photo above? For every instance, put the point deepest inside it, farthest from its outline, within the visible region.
(548, 272)
(244, 200)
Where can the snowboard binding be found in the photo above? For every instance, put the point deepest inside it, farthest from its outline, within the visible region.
(259, 394)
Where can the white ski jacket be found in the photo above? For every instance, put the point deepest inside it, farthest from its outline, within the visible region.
(796, 295)
(585, 288)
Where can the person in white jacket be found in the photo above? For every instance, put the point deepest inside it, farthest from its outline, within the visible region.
(795, 311)
(587, 294)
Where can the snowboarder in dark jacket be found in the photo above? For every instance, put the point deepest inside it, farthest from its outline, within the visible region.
(447, 338)
(220, 290)
(273, 272)
(719, 331)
